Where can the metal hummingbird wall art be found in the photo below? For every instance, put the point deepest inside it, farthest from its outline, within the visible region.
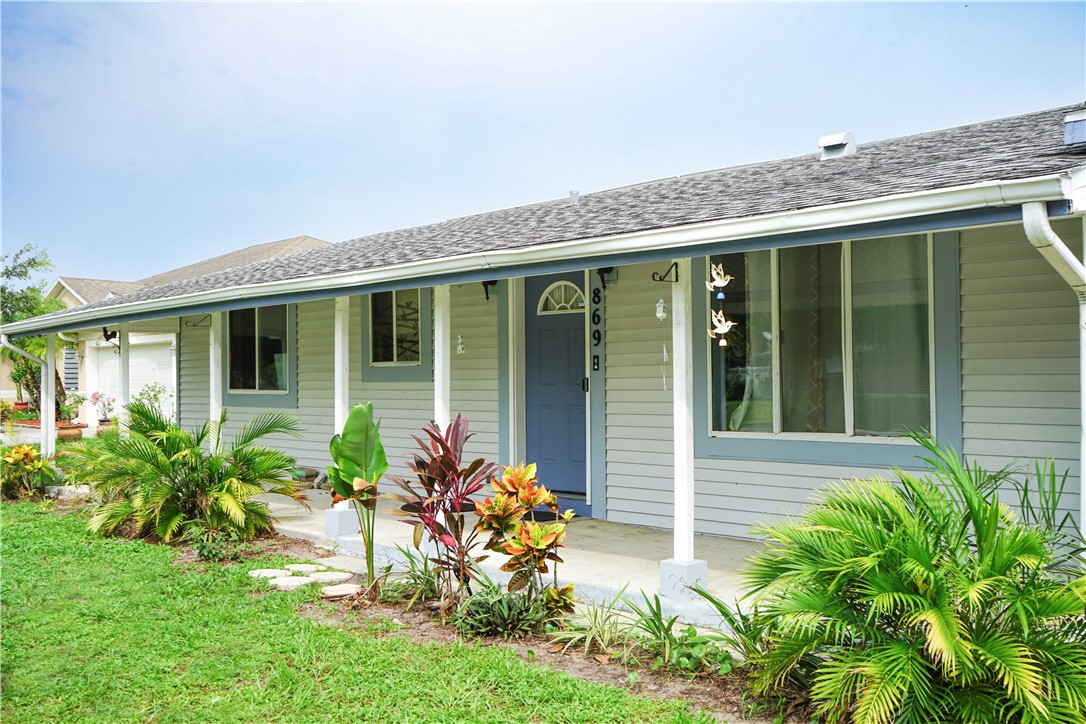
(717, 281)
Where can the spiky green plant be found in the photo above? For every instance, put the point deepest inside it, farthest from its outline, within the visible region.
(929, 600)
(160, 479)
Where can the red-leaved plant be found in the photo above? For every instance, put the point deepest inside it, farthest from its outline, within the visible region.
(436, 500)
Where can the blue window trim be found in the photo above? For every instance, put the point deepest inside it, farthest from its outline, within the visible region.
(785, 448)
(280, 400)
(424, 370)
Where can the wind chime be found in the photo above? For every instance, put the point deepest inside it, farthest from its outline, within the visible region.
(717, 281)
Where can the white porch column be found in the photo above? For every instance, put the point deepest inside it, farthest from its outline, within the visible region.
(341, 361)
(442, 356)
(125, 376)
(47, 413)
(214, 404)
(682, 570)
(90, 366)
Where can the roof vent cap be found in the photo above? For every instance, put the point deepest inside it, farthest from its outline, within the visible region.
(837, 145)
(574, 197)
(1074, 128)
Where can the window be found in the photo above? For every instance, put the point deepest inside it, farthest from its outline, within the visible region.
(395, 328)
(259, 346)
(829, 339)
(397, 336)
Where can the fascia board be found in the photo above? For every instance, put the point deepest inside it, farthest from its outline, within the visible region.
(685, 238)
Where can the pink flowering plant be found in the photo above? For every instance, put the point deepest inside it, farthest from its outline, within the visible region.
(103, 404)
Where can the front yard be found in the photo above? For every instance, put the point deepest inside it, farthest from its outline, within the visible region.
(105, 629)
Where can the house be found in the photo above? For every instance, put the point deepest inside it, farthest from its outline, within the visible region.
(695, 353)
(93, 363)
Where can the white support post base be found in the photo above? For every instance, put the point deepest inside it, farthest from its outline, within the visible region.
(340, 520)
(677, 576)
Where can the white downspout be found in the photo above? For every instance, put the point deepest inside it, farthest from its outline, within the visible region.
(1055, 251)
(47, 440)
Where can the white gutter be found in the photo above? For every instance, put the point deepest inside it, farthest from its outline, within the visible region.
(1063, 260)
(961, 198)
(19, 351)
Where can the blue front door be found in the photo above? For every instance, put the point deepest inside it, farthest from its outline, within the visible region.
(554, 385)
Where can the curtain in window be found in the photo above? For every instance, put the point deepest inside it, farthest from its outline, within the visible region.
(890, 347)
(812, 371)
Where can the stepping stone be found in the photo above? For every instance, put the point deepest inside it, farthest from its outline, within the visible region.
(291, 583)
(303, 567)
(331, 576)
(268, 573)
(341, 590)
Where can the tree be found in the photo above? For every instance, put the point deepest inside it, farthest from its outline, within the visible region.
(22, 297)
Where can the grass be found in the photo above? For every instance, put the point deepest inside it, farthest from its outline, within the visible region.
(110, 630)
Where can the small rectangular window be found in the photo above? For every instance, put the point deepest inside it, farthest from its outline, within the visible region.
(258, 349)
(395, 327)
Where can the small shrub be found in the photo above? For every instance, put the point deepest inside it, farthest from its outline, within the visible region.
(155, 395)
(929, 600)
(420, 582)
(599, 627)
(532, 546)
(26, 472)
(213, 546)
(686, 650)
(160, 479)
(493, 611)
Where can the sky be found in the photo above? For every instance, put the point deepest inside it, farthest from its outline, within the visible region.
(140, 137)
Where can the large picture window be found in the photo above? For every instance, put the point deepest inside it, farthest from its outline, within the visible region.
(829, 339)
(258, 350)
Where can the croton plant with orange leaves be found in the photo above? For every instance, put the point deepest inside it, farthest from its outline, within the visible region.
(509, 517)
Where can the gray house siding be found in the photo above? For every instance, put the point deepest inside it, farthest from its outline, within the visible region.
(474, 372)
(639, 434)
(193, 390)
(1020, 382)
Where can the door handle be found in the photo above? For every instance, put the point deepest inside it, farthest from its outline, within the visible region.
(584, 384)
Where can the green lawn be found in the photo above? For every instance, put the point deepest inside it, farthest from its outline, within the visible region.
(109, 630)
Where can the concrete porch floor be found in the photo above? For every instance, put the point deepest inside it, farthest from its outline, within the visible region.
(600, 557)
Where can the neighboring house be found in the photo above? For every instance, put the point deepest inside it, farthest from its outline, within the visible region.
(922, 281)
(94, 363)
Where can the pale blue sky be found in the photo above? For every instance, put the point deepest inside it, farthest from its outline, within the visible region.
(141, 137)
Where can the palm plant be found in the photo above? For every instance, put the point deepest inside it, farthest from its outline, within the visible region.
(162, 479)
(925, 601)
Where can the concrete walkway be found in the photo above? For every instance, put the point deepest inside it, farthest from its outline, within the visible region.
(600, 557)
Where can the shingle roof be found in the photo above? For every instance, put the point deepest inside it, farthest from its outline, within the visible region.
(95, 290)
(1019, 147)
(234, 259)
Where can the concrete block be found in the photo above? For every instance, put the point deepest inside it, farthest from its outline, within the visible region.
(676, 576)
(339, 522)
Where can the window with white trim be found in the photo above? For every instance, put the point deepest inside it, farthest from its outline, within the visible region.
(395, 328)
(830, 339)
(258, 350)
